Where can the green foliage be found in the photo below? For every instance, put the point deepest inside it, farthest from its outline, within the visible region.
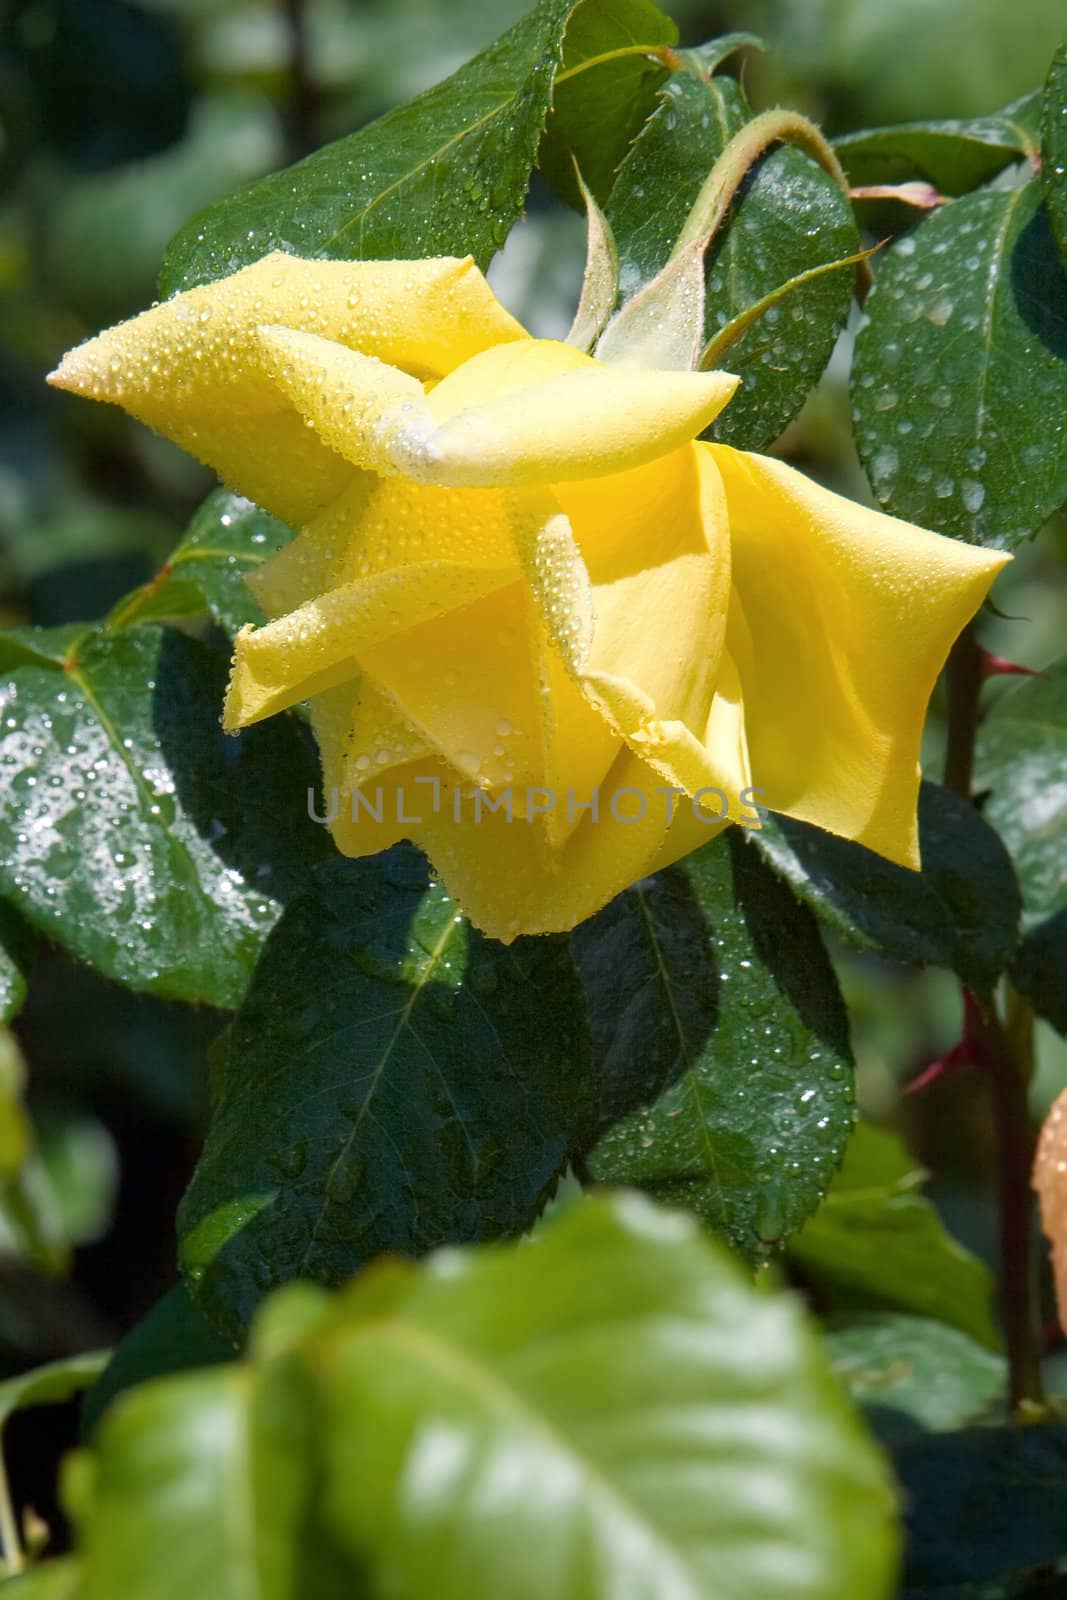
(579, 1396)
(964, 350)
(961, 911)
(442, 1082)
(227, 539)
(722, 1050)
(912, 1375)
(443, 175)
(1022, 758)
(1054, 142)
(173, 1337)
(654, 1422)
(954, 156)
(17, 943)
(876, 1243)
(789, 218)
(124, 824)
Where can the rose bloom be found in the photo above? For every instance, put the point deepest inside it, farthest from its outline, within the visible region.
(523, 579)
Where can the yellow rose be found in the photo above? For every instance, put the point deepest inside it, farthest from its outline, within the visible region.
(534, 616)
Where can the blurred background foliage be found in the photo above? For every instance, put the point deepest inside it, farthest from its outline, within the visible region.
(117, 121)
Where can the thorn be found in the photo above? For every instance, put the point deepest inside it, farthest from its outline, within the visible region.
(951, 1061)
(991, 666)
(962, 1054)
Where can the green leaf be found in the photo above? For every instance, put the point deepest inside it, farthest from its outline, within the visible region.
(790, 217)
(876, 1244)
(50, 1385)
(722, 1046)
(606, 86)
(961, 911)
(18, 944)
(1021, 758)
(959, 384)
(984, 1503)
(173, 1337)
(1054, 144)
(445, 174)
(955, 156)
(53, 1580)
(394, 1081)
(611, 1410)
(31, 1222)
(912, 1375)
(227, 538)
(131, 830)
(204, 1486)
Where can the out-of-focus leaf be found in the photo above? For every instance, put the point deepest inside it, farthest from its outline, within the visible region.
(233, 137)
(721, 1044)
(961, 911)
(394, 1081)
(131, 830)
(31, 1224)
(1021, 759)
(227, 538)
(17, 945)
(50, 1385)
(53, 1580)
(789, 217)
(173, 1337)
(445, 174)
(1054, 145)
(609, 1410)
(983, 1503)
(959, 384)
(955, 156)
(204, 1485)
(876, 1244)
(912, 1375)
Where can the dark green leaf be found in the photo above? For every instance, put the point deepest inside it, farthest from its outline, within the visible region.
(445, 174)
(609, 1411)
(17, 945)
(954, 156)
(173, 1337)
(131, 830)
(1022, 760)
(1054, 144)
(204, 1485)
(50, 1385)
(227, 538)
(790, 217)
(394, 1081)
(959, 384)
(912, 1375)
(876, 1244)
(606, 86)
(31, 1224)
(1041, 969)
(961, 911)
(722, 1045)
(984, 1503)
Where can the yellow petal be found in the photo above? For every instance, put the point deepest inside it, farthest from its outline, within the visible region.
(509, 880)
(656, 549)
(851, 615)
(192, 366)
(465, 680)
(318, 645)
(380, 523)
(536, 413)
